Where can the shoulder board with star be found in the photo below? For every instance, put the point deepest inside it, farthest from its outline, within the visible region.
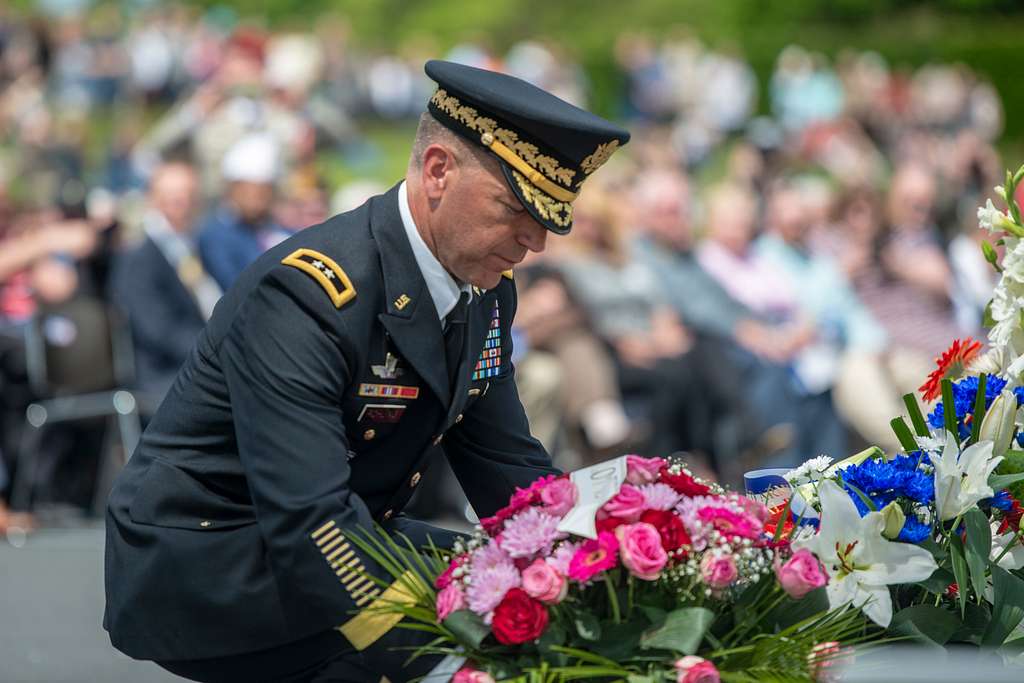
(327, 273)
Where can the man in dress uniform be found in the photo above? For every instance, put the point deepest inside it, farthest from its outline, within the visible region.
(337, 368)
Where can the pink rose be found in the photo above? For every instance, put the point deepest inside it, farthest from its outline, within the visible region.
(450, 599)
(801, 574)
(468, 674)
(627, 504)
(643, 470)
(558, 497)
(641, 550)
(693, 669)
(718, 571)
(543, 582)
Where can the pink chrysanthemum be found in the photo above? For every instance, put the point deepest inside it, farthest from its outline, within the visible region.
(562, 557)
(530, 532)
(659, 496)
(487, 557)
(491, 575)
(594, 557)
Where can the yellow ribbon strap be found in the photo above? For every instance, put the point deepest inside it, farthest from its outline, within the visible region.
(529, 172)
(379, 617)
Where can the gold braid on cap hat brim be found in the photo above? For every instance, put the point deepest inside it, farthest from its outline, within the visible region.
(540, 169)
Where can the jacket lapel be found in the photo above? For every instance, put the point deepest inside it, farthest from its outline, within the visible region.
(410, 317)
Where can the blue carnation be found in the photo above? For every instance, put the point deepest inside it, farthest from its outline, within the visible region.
(1002, 501)
(914, 531)
(964, 393)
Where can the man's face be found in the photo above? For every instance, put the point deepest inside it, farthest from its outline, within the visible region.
(482, 229)
(251, 200)
(175, 194)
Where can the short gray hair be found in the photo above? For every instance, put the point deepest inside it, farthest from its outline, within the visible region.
(430, 131)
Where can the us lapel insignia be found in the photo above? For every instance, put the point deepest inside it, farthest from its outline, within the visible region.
(402, 301)
(389, 370)
(489, 363)
(388, 391)
(327, 273)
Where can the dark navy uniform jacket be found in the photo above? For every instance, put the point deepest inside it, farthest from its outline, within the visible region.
(302, 413)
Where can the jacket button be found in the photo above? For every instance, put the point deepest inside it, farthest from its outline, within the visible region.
(206, 523)
(415, 480)
(458, 418)
(369, 434)
(388, 515)
(437, 439)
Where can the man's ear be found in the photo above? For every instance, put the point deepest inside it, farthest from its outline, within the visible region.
(440, 169)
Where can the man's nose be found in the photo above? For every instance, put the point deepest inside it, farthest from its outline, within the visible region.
(533, 235)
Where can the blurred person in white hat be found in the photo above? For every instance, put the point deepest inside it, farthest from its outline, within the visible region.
(242, 226)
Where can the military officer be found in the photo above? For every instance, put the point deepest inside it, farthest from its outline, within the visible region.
(330, 376)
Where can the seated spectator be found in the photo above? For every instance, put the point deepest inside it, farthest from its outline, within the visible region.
(777, 382)
(242, 227)
(161, 285)
(901, 275)
(656, 355)
(845, 333)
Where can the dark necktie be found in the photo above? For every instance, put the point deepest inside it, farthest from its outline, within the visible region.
(455, 336)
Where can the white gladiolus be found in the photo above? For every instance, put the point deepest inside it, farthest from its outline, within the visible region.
(990, 218)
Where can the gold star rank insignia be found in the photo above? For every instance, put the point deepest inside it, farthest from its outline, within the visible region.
(326, 272)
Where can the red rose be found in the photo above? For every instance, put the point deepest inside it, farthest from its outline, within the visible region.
(683, 483)
(519, 618)
(609, 524)
(670, 528)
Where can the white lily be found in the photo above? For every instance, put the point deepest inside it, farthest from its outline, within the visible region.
(1010, 559)
(860, 562)
(961, 479)
(999, 423)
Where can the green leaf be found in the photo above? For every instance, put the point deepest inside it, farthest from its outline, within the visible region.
(990, 254)
(978, 547)
(949, 409)
(998, 482)
(935, 624)
(1008, 607)
(975, 621)
(588, 626)
(863, 496)
(902, 432)
(987, 321)
(791, 611)
(619, 641)
(682, 631)
(938, 582)
(916, 418)
(979, 408)
(467, 627)
(956, 556)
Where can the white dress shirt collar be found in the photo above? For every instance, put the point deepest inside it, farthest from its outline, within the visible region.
(444, 289)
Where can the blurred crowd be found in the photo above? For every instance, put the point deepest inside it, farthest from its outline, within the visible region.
(758, 278)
